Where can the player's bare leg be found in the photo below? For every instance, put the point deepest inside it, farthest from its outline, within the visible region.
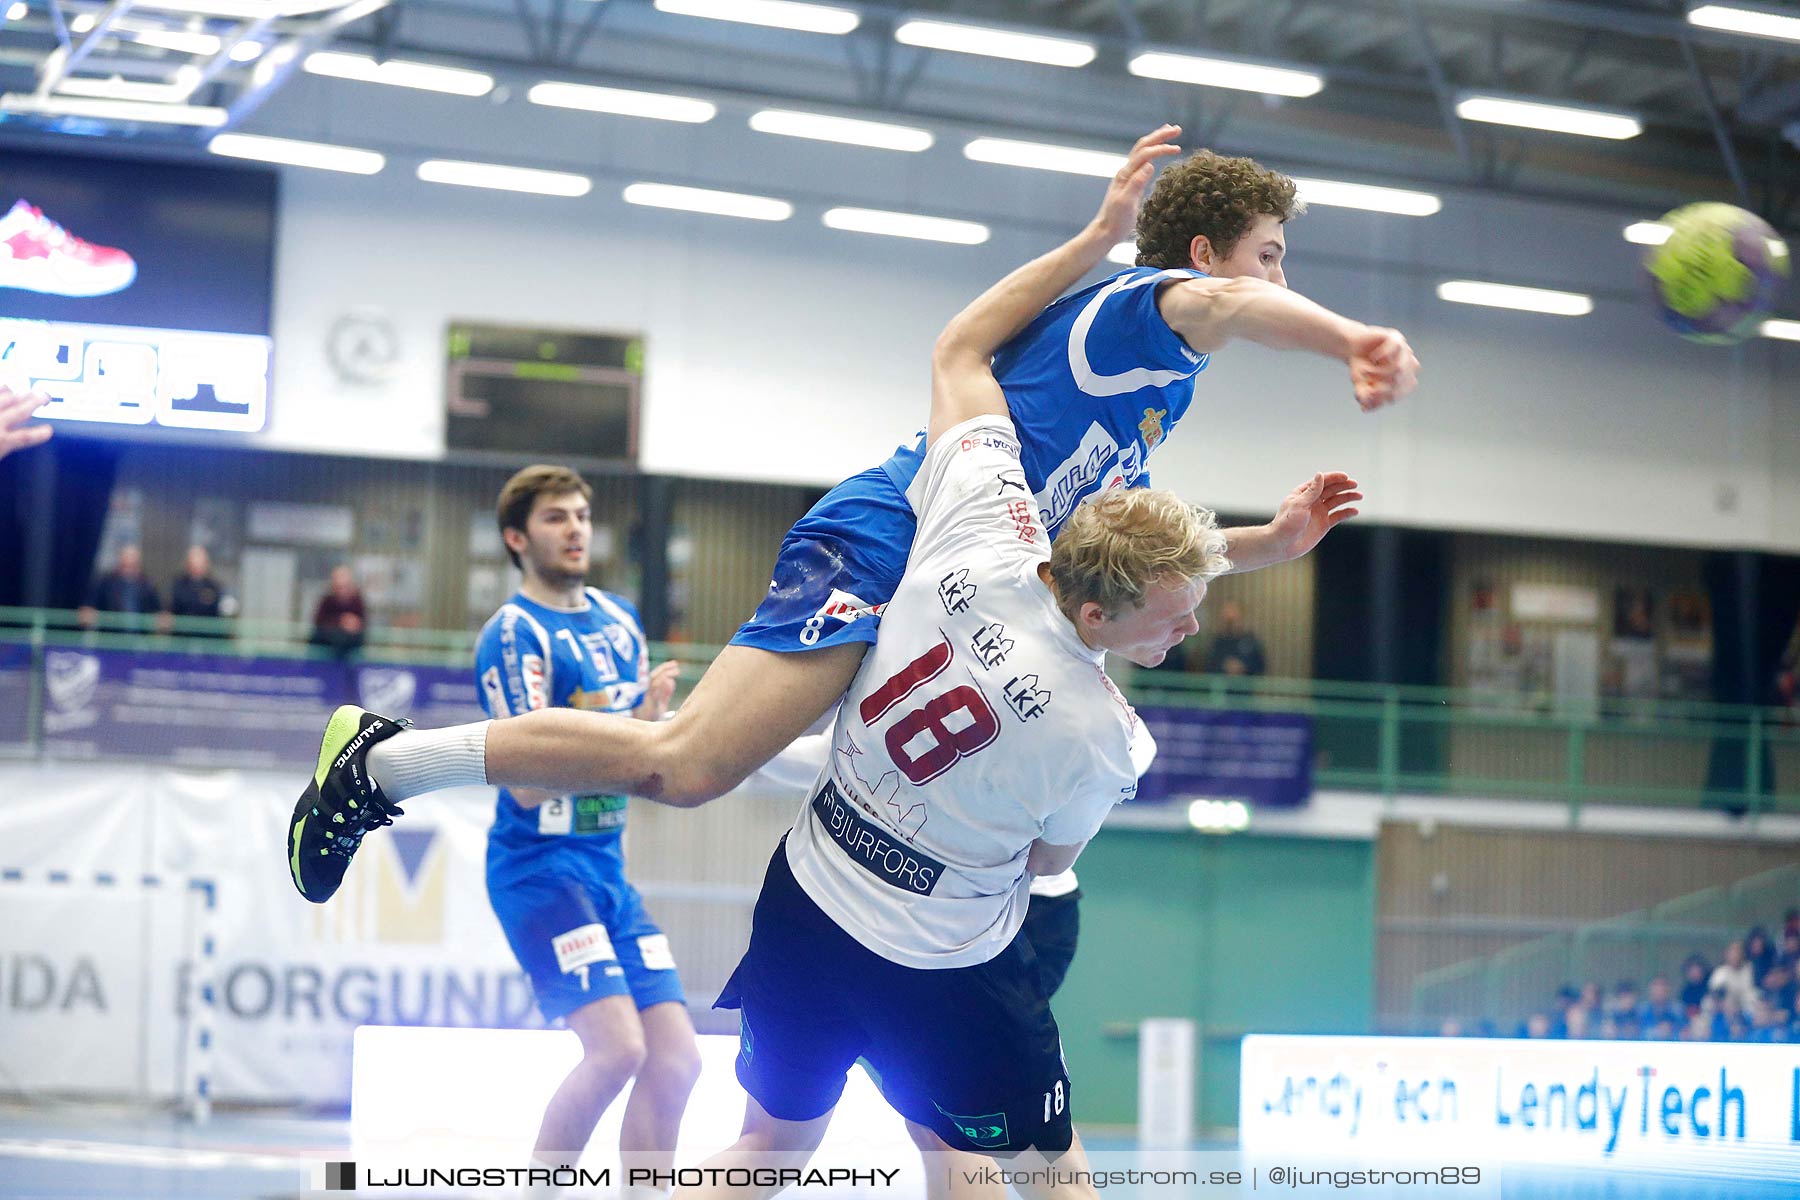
(612, 1051)
(652, 1121)
(747, 707)
(767, 1143)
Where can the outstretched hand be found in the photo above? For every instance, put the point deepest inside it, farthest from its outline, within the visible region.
(1311, 511)
(1117, 219)
(659, 689)
(15, 409)
(1383, 367)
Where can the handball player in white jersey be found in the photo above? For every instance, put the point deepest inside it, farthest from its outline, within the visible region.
(980, 744)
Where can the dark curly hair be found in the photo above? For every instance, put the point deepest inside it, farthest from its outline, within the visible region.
(1213, 195)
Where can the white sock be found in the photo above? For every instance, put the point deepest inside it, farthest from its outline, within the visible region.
(417, 761)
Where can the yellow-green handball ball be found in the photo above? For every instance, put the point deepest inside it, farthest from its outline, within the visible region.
(1719, 273)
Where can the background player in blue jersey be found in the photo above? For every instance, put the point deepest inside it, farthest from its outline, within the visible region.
(1094, 385)
(555, 866)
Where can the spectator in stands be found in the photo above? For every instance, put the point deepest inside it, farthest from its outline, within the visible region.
(1694, 974)
(1567, 997)
(1787, 687)
(1729, 1023)
(1234, 650)
(1700, 1022)
(124, 589)
(1766, 1022)
(1578, 1023)
(340, 620)
(1779, 989)
(1791, 923)
(1759, 951)
(195, 593)
(1789, 955)
(1734, 977)
(1660, 1018)
(1537, 1025)
(1621, 1018)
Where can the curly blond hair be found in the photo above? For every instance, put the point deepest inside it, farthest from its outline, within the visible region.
(1214, 195)
(1116, 545)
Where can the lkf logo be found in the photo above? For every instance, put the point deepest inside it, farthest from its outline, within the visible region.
(72, 679)
(955, 591)
(1028, 700)
(387, 690)
(991, 645)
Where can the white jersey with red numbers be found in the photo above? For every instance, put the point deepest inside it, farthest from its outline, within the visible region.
(978, 724)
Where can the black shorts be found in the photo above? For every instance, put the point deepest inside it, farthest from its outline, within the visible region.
(1052, 925)
(971, 1053)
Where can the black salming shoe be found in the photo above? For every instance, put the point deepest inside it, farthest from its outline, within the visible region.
(341, 802)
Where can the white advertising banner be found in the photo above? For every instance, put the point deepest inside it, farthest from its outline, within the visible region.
(1724, 1110)
(100, 871)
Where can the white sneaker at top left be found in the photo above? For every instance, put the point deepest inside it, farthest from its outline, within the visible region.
(38, 255)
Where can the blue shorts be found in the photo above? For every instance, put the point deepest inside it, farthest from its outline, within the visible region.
(579, 940)
(838, 567)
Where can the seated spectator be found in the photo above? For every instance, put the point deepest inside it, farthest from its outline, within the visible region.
(1567, 997)
(1660, 1009)
(1694, 974)
(1234, 650)
(1733, 976)
(1766, 1022)
(1729, 1023)
(196, 593)
(1537, 1025)
(124, 589)
(1700, 1024)
(1759, 952)
(1451, 1028)
(339, 622)
(1790, 923)
(1577, 1024)
(1789, 955)
(1781, 987)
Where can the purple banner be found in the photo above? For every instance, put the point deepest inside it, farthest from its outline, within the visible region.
(15, 694)
(217, 710)
(1261, 758)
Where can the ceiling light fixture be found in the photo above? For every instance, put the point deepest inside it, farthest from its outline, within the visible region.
(656, 106)
(505, 179)
(777, 14)
(1227, 73)
(1395, 201)
(1042, 156)
(1755, 22)
(1525, 299)
(398, 73)
(705, 200)
(996, 43)
(297, 154)
(818, 127)
(906, 225)
(1555, 118)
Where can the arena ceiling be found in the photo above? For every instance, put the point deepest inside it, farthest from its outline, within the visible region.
(1720, 111)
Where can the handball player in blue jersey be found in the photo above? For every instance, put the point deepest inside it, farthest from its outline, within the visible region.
(555, 864)
(1094, 385)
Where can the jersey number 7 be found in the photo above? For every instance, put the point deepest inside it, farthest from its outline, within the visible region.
(948, 746)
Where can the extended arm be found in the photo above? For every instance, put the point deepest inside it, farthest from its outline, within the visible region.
(1209, 313)
(962, 377)
(1308, 513)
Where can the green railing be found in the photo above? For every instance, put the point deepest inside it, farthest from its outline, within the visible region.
(1510, 984)
(1390, 740)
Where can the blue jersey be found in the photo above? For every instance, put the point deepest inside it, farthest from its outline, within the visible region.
(532, 656)
(1094, 384)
